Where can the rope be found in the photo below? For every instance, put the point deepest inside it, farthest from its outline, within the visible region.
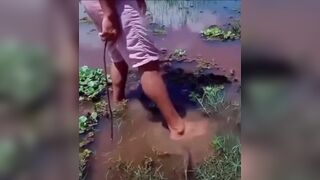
(107, 88)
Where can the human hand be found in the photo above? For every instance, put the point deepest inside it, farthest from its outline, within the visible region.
(110, 28)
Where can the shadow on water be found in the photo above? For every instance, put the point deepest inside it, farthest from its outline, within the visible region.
(180, 80)
(141, 134)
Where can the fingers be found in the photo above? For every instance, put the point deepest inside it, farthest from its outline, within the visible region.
(110, 35)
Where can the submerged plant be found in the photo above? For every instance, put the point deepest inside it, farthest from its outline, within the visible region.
(91, 82)
(211, 99)
(225, 164)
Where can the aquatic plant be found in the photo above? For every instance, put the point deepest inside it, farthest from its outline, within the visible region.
(215, 32)
(225, 164)
(211, 99)
(91, 82)
(87, 122)
(84, 157)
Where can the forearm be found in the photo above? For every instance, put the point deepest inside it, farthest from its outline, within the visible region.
(108, 7)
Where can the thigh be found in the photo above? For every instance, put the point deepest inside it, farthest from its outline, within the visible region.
(139, 47)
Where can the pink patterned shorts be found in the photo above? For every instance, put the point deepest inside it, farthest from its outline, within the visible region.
(134, 45)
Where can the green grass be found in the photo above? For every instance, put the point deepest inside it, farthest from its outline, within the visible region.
(225, 164)
(147, 170)
(211, 99)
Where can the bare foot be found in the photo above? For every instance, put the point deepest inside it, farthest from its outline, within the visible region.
(191, 129)
(177, 130)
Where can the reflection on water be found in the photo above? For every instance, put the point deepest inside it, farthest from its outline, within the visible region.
(193, 13)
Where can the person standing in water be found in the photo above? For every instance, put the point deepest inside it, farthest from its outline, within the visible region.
(122, 23)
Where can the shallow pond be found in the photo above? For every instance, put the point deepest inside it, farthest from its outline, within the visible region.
(141, 132)
(183, 21)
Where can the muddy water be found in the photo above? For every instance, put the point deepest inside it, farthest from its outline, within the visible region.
(183, 21)
(142, 132)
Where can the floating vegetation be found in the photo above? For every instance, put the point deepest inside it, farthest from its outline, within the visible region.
(84, 157)
(87, 122)
(225, 164)
(91, 82)
(214, 32)
(178, 54)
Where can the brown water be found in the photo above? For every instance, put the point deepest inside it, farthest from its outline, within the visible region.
(183, 20)
(142, 132)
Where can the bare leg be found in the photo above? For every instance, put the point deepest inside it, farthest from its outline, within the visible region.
(119, 72)
(154, 87)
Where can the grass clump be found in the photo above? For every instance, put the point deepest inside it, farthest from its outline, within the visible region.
(225, 164)
(178, 54)
(84, 157)
(211, 99)
(147, 170)
(91, 82)
(215, 32)
(101, 107)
